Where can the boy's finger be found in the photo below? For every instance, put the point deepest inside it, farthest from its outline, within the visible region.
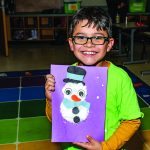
(49, 87)
(90, 139)
(49, 76)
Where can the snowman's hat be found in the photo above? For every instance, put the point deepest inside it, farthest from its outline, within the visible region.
(75, 74)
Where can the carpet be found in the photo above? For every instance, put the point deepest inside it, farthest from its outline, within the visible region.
(23, 124)
(142, 89)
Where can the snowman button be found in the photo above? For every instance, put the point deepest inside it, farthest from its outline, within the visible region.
(75, 110)
(76, 119)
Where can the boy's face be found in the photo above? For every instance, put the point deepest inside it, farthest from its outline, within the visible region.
(89, 53)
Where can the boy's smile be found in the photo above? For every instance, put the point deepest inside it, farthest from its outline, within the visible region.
(89, 53)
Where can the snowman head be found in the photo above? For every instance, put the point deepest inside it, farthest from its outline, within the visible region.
(75, 91)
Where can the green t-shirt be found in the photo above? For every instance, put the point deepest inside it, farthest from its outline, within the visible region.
(121, 101)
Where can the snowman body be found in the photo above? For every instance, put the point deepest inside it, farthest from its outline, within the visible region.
(74, 108)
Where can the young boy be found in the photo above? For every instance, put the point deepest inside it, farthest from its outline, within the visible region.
(90, 39)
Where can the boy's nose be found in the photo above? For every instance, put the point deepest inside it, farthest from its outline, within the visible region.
(89, 43)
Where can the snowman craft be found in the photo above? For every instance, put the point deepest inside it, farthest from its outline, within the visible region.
(74, 108)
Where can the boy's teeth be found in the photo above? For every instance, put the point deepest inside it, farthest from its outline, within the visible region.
(89, 53)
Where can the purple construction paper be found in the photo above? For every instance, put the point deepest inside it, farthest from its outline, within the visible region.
(65, 131)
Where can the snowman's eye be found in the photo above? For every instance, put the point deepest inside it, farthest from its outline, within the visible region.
(81, 93)
(68, 91)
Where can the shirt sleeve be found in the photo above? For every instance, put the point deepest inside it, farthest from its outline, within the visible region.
(124, 132)
(129, 108)
(48, 110)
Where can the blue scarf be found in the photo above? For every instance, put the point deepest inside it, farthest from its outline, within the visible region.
(71, 104)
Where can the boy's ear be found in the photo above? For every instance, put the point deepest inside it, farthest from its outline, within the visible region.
(110, 44)
(70, 44)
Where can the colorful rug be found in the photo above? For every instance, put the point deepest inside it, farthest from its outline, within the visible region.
(23, 124)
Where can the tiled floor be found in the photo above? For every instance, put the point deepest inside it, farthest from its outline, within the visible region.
(23, 125)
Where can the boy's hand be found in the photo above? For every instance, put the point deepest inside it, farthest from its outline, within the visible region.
(92, 144)
(49, 86)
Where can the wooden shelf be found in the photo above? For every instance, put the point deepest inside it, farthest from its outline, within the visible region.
(38, 27)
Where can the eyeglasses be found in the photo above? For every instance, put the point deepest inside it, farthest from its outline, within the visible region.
(95, 40)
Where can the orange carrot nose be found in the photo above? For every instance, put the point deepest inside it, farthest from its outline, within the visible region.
(75, 98)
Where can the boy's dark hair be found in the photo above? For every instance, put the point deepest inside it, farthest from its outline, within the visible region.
(93, 14)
